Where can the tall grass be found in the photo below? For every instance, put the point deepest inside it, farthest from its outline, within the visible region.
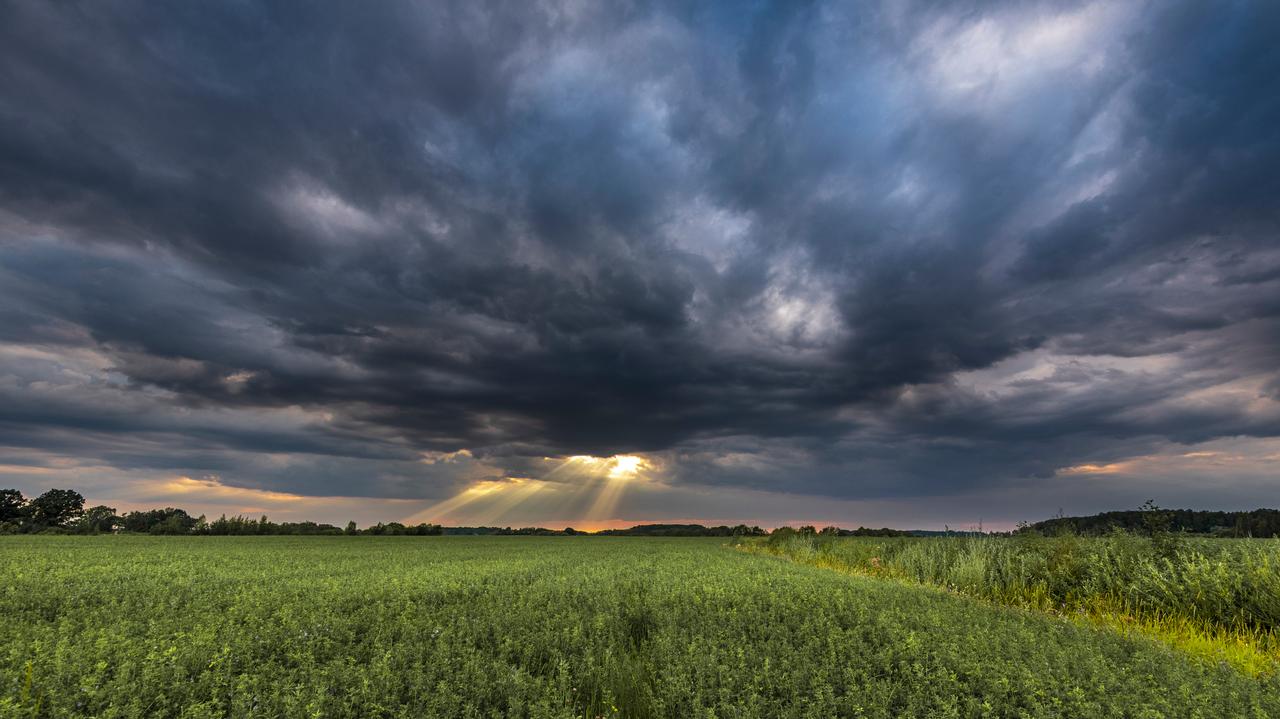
(1214, 597)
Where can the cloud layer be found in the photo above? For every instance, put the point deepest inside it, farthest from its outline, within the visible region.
(867, 251)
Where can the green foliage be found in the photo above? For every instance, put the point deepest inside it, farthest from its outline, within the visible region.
(99, 519)
(132, 626)
(169, 520)
(1149, 518)
(398, 529)
(13, 506)
(1221, 586)
(55, 508)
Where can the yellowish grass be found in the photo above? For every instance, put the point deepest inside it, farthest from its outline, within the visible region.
(1253, 653)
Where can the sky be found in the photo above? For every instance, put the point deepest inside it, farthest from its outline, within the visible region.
(897, 263)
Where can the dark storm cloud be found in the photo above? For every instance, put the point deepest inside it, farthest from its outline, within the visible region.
(805, 246)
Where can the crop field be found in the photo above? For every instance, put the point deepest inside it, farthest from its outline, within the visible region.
(128, 626)
(1215, 598)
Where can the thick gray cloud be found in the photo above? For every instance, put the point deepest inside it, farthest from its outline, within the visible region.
(841, 249)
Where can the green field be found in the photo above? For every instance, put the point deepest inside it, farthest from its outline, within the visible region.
(1218, 599)
(125, 626)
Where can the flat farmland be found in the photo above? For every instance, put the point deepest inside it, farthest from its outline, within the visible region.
(131, 626)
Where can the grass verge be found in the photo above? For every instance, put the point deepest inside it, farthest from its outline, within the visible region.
(1117, 582)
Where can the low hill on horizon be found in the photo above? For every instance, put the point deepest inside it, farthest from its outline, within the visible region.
(1253, 523)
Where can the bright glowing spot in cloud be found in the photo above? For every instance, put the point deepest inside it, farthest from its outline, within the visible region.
(24, 469)
(213, 488)
(236, 381)
(626, 466)
(1170, 463)
(1113, 468)
(995, 57)
(434, 457)
(620, 466)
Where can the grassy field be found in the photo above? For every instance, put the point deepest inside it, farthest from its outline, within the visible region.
(1218, 599)
(546, 627)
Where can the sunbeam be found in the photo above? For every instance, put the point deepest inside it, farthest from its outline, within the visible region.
(583, 487)
(619, 472)
(443, 509)
(501, 503)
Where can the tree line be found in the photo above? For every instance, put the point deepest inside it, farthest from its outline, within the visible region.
(62, 511)
(1150, 519)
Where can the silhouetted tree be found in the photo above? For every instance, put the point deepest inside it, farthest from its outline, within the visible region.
(781, 534)
(56, 508)
(13, 506)
(178, 522)
(1154, 519)
(99, 519)
(169, 520)
(1151, 520)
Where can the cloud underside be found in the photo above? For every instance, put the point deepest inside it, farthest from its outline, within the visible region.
(864, 251)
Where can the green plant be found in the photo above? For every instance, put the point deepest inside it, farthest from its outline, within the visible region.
(271, 626)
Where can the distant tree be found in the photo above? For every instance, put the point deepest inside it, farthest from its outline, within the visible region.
(1154, 519)
(236, 525)
(13, 506)
(169, 520)
(830, 531)
(56, 508)
(178, 522)
(781, 534)
(1158, 523)
(1162, 523)
(351, 528)
(99, 519)
(220, 526)
(570, 531)
(808, 529)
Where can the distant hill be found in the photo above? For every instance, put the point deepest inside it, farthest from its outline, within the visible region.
(1256, 523)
